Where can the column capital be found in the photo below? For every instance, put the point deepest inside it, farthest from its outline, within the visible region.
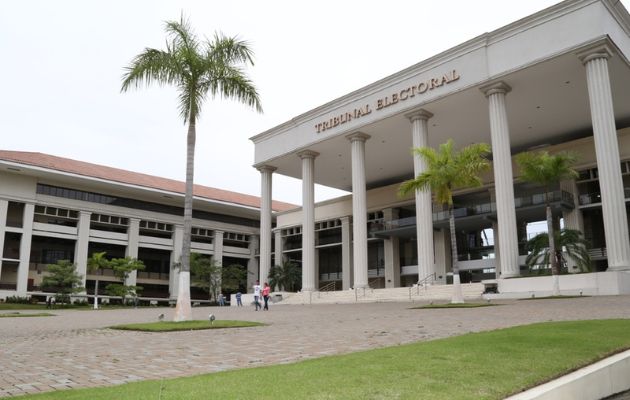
(307, 154)
(265, 168)
(600, 50)
(495, 87)
(420, 114)
(358, 136)
(88, 213)
(218, 232)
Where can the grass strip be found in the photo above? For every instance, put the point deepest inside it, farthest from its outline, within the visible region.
(487, 365)
(455, 305)
(170, 326)
(17, 315)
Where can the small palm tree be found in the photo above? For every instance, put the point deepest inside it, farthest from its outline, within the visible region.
(97, 261)
(195, 69)
(571, 240)
(286, 276)
(548, 170)
(446, 171)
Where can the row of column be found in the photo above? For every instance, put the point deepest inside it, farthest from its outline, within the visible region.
(595, 60)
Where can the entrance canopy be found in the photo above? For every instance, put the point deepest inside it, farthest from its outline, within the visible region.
(538, 57)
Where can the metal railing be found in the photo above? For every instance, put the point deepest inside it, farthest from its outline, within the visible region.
(329, 287)
(424, 282)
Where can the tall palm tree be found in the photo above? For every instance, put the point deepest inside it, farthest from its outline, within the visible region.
(96, 262)
(547, 170)
(448, 170)
(195, 68)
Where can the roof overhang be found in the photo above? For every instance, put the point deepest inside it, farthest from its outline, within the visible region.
(535, 56)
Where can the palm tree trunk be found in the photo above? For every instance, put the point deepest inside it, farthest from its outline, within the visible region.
(458, 297)
(96, 295)
(183, 311)
(553, 260)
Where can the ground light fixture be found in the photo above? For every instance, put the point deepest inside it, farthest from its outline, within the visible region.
(211, 318)
(161, 317)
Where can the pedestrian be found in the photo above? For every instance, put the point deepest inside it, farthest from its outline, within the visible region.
(221, 300)
(257, 295)
(265, 293)
(49, 302)
(239, 303)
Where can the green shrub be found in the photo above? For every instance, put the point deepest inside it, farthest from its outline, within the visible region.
(18, 299)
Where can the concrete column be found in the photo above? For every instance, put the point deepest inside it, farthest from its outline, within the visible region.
(442, 243)
(176, 258)
(25, 249)
(217, 244)
(497, 249)
(133, 233)
(252, 263)
(266, 172)
(607, 152)
(4, 209)
(359, 209)
(573, 219)
(424, 205)
(81, 245)
(279, 244)
(346, 253)
(503, 177)
(308, 219)
(391, 248)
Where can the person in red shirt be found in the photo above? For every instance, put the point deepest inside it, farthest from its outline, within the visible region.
(265, 293)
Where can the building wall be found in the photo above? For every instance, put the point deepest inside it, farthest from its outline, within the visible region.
(22, 188)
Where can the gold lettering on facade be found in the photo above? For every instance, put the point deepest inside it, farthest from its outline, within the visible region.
(386, 101)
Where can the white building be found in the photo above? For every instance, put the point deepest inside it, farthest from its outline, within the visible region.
(557, 80)
(54, 208)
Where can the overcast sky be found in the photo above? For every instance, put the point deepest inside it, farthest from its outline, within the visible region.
(62, 63)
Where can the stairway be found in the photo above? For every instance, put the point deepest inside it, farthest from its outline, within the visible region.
(427, 293)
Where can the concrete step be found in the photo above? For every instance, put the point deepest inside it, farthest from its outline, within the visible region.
(429, 293)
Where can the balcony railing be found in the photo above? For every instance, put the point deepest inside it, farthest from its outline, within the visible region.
(596, 197)
(531, 199)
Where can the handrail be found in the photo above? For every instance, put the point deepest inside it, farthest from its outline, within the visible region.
(423, 282)
(329, 287)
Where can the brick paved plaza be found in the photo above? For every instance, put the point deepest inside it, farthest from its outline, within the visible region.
(74, 348)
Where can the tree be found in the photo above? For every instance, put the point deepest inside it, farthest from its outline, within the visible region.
(205, 273)
(96, 262)
(287, 276)
(194, 68)
(446, 171)
(548, 170)
(571, 240)
(122, 268)
(63, 279)
(233, 277)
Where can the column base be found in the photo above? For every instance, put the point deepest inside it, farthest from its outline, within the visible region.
(510, 275)
(618, 268)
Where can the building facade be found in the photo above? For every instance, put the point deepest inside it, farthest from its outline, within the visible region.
(54, 208)
(555, 80)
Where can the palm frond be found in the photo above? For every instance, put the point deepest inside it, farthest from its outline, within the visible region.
(151, 66)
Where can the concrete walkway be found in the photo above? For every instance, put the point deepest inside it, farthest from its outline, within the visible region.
(74, 348)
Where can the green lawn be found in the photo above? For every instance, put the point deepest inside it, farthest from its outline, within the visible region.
(17, 314)
(489, 365)
(170, 326)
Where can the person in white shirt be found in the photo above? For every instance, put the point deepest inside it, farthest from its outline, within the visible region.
(257, 295)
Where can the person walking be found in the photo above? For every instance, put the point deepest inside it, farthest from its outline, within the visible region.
(257, 295)
(221, 300)
(239, 303)
(265, 292)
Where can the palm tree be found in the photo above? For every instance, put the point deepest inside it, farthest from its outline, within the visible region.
(571, 240)
(447, 170)
(286, 276)
(96, 262)
(547, 170)
(194, 68)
